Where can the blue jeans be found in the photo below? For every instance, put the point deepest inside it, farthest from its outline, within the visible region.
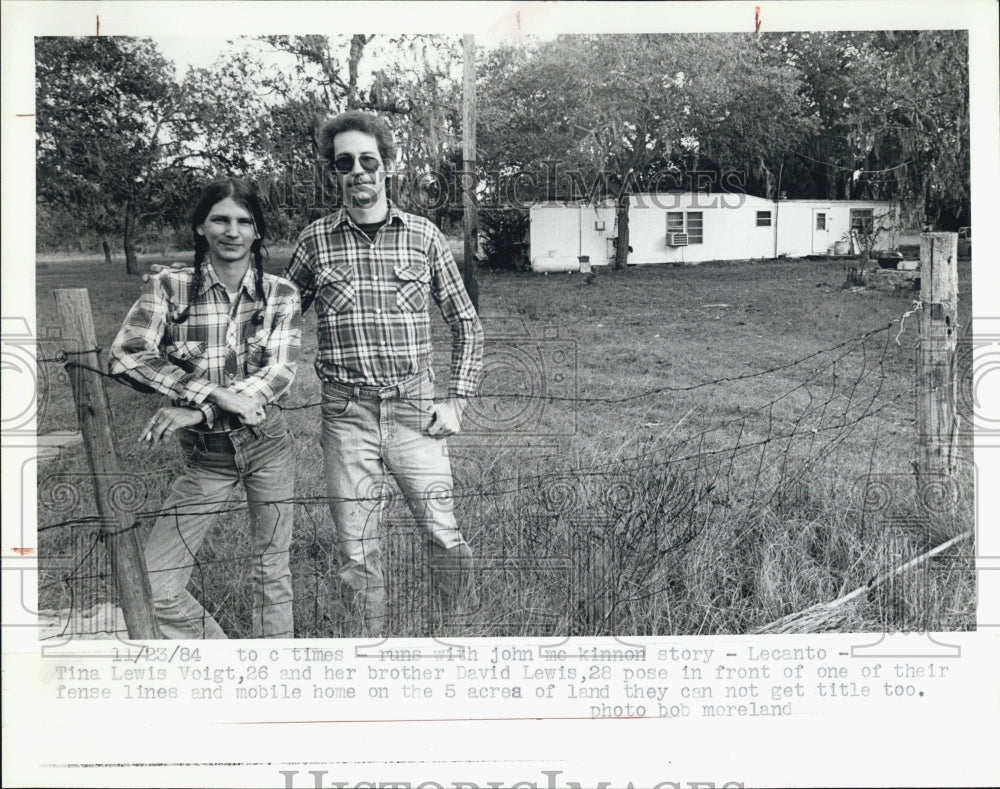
(262, 459)
(364, 435)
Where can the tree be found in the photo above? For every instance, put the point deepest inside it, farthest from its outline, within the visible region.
(892, 117)
(926, 118)
(122, 144)
(414, 88)
(622, 112)
(101, 107)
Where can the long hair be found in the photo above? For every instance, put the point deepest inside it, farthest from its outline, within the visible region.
(215, 192)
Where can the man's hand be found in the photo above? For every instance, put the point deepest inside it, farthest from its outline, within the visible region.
(446, 419)
(165, 422)
(155, 269)
(250, 410)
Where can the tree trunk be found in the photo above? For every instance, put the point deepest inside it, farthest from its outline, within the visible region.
(107, 250)
(928, 217)
(621, 251)
(358, 43)
(131, 263)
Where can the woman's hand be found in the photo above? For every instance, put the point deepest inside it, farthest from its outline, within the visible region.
(250, 410)
(166, 421)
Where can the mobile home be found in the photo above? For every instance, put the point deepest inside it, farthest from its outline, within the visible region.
(693, 227)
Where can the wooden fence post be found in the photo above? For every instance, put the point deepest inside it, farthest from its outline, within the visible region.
(94, 413)
(937, 384)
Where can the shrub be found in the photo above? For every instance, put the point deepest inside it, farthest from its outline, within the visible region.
(503, 234)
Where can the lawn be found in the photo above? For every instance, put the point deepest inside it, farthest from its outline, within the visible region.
(668, 450)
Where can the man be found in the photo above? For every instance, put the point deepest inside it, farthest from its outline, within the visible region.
(372, 270)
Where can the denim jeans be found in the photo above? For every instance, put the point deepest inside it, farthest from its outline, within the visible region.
(362, 438)
(262, 459)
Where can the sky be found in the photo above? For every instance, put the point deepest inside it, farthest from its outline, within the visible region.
(201, 50)
(198, 51)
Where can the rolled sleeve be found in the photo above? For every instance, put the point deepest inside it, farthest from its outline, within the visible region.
(136, 359)
(195, 390)
(210, 412)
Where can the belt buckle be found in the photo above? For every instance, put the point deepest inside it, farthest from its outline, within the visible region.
(388, 393)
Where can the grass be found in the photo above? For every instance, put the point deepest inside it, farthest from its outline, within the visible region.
(615, 487)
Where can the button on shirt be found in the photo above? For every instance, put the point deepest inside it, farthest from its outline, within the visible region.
(218, 344)
(372, 300)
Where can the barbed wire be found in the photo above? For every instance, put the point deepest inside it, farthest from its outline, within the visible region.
(523, 482)
(817, 415)
(62, 356)
(856, 340)
(530, 482)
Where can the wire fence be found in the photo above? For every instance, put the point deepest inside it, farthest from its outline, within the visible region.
(720, 523)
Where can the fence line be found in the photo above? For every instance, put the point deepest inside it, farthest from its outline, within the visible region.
(640, 514)
(824, 421)
(460, 492)
(62, 357)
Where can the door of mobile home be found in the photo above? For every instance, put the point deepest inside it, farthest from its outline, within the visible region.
(555, 238)
(821, 231)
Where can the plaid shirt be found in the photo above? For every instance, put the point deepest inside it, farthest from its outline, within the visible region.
(187, 361)
(373, 296)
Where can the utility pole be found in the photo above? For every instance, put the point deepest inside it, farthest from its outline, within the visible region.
(470, 219)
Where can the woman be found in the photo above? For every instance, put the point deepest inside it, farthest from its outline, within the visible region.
(221, 340)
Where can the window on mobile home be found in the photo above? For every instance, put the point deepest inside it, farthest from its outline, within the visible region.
(694, 227)
(763, 219)
(689, 222)
(862, 221)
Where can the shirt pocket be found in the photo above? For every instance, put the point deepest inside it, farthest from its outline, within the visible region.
(257, 354)
(189, 356)
(335, 289)
(412, 286)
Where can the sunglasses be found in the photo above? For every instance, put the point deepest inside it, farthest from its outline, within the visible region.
(344, 164)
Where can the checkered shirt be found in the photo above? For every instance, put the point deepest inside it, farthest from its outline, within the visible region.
(187, 361)
(372, 301)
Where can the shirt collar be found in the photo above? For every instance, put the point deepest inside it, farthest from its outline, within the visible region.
(210, 279)
(342, 217)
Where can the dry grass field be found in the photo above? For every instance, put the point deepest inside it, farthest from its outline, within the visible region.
(662, 450)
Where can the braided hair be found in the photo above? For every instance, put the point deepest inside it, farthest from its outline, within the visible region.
(215, 192)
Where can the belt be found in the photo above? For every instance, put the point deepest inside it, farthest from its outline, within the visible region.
(216, 440)
(364, 392)
(225, 422)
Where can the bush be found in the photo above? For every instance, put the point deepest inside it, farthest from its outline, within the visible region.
(504, 234)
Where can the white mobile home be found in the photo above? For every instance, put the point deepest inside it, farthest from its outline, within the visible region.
(693, 227)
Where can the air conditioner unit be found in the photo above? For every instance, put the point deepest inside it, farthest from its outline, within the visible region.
(677, 239)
